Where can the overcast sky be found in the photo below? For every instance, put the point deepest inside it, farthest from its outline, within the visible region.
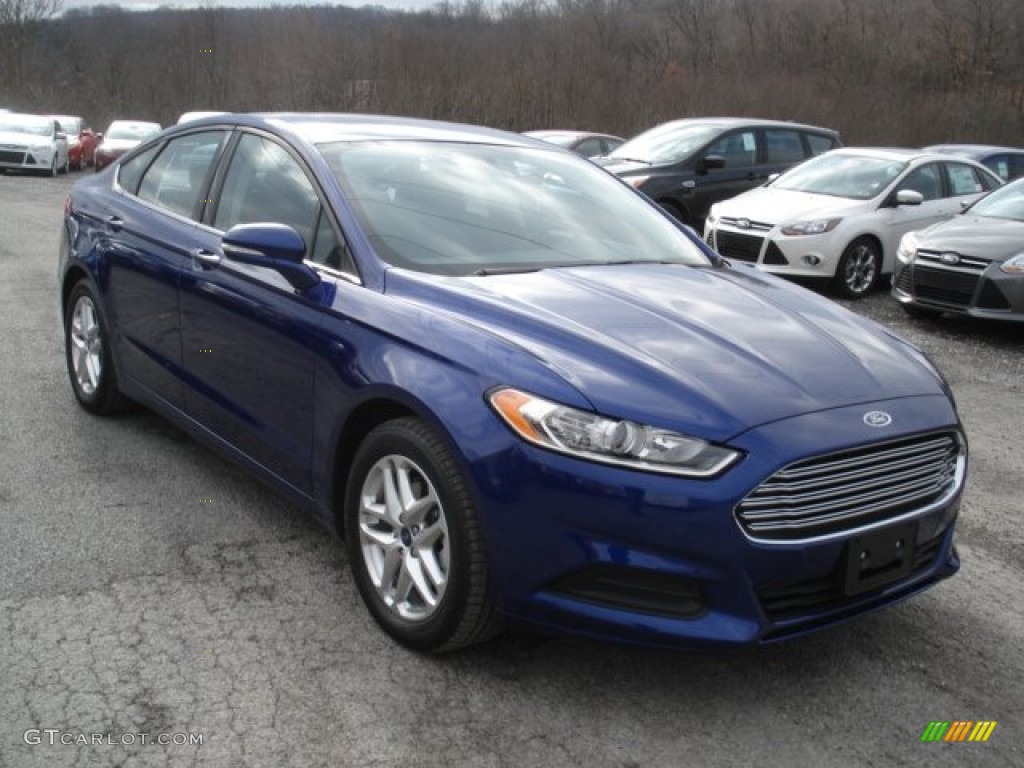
(144, 5)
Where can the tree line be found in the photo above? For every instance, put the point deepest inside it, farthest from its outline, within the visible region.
(894, 72)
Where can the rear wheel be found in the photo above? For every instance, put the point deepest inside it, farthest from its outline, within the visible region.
(87, 352)
(414, 541)
(858, 269)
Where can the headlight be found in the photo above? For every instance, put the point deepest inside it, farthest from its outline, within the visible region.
(907, 251)
(587, 435)
(812, 227)
(1014, 265)
(635, 181)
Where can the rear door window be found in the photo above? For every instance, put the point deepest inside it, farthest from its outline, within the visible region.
(963, 180)
(179, 176)
(782, 146)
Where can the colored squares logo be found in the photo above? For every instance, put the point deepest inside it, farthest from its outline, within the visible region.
(958, 730)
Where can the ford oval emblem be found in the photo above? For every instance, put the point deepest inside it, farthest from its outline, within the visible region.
(743, 223)
(877, 419)
(950, 258)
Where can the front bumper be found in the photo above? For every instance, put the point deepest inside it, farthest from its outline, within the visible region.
(23, 158)
(601, 552)
(972, 288)
(813, 256)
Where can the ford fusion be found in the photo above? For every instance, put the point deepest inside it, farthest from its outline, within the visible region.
(520, 391)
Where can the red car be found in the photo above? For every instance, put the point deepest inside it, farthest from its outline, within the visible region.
(81, 140)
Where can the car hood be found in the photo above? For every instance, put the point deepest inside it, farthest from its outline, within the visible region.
(619, 167)
(118, 145)
(783, 206)
(981, 236)
(711, 351)
(23, 139)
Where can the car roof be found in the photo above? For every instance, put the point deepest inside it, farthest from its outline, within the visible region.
(902, 154)
(139, 123)
(754, 122)
(971, 149)
(321, 128)
(550, 133)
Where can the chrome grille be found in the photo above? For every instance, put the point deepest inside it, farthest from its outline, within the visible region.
(757, 226)
(839, 492)
(972, 263)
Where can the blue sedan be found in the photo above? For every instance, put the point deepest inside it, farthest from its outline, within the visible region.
(520, 392)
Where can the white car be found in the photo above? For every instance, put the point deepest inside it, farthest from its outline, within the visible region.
(32, 143)
(841, 215)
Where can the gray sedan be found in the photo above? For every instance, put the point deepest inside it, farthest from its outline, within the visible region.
(972, 264)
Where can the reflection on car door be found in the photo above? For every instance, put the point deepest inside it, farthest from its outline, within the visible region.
(247, 336)
(146, 247)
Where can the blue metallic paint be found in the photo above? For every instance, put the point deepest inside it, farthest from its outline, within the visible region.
(727, 354)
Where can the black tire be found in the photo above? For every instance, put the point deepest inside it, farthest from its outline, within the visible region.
(96, 390)
(463, 613)
(675, 211)
(858, 269)
(53, 167)
(67, 165)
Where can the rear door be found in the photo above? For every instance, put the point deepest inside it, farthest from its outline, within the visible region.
(149, 230)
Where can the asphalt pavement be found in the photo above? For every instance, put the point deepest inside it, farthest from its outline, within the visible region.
(149, 590)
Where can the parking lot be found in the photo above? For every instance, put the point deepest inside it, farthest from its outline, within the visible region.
(149, 587)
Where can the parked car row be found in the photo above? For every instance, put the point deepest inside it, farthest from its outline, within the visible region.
(52, 144)
(788, 198)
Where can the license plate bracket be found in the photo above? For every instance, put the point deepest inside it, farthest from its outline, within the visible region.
(879, 558)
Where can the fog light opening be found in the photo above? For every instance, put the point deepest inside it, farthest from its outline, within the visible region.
(811, 260)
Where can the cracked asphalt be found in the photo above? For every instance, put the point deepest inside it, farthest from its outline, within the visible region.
(149, 587)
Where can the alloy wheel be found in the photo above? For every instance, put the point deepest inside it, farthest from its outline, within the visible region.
(87, 346)
(404, 538)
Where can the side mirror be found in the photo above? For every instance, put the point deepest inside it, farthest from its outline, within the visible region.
(273, 246)
(711, 163)
(60, 136)
(909, 197)
(965, 204)
(99, 136)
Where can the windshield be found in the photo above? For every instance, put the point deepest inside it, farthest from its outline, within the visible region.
(840, 175)
(1005, 203)
(31, 124)
(132, 131)
(69, 125)
(668, 143)
(462, 209)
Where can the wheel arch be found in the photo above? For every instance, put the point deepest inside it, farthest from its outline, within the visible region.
(369, 414)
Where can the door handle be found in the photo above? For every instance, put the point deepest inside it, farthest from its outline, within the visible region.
(203, 258)
(114, 223)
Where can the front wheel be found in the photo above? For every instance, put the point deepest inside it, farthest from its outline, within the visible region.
(87, 352)
(414, 542)
(858, 269)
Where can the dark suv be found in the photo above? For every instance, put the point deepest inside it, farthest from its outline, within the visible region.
(686, 165)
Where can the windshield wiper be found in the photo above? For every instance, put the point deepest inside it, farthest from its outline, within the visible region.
(630, 159)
